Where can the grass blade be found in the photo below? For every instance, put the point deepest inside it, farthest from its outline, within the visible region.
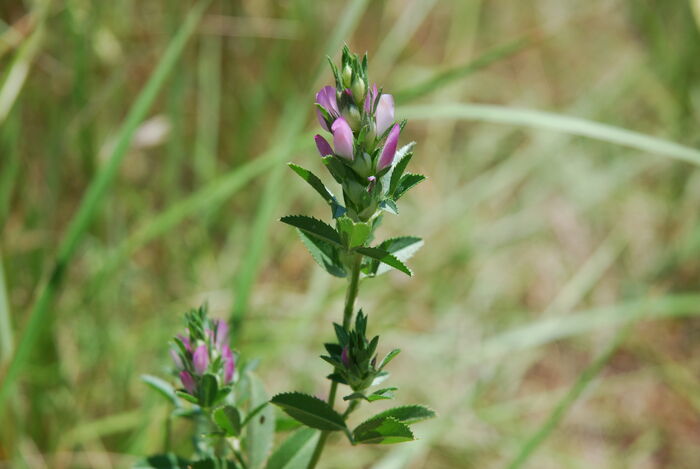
(552, 121)
(93, 197)
(563, 406)
(6, 339)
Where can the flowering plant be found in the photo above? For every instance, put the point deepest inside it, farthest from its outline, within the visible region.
(365, 160)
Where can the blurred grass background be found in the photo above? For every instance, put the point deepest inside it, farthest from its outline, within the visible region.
(552, 321)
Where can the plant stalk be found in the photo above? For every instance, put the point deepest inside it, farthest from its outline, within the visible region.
(347, 319)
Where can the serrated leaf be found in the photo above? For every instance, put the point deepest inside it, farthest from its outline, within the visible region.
(389, 205)
(382, 256)
(384, 430)
(208, 390)
(313, 227)
(162, 387)
(398, 171)
(389, 356)
(261, 429)
(403, 248)
(380, 394)
(296, 451)
(310, 410)
(336, 168)
(314, 181)
(408, 181)
(355, 233)
(228, 418)
(324, 253)
(407, 414)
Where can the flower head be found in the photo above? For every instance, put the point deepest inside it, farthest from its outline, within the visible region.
(327, 99)
(389, 150)
(342, 139)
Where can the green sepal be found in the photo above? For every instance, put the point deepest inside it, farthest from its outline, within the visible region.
(310, 410)
(337, 378)
(162, 387)
(389, 356)
(337, 168)
(337, 210)
(385, 257)
(380, 394)
(228, 418)
(408, 181)
(188, 397)
(324, 253)
(208, 390)
(382, 430)
(354, 234)
(313, 227)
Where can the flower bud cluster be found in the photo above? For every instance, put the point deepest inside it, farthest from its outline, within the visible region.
(365, 135)
(354, 356)
(203, 350)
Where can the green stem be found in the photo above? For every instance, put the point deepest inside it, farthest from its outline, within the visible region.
(347, 319)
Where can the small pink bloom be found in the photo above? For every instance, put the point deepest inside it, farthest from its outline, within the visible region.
(229, 364)
(389, 150)
(221, 333)
(324, 148)
(188, 382)
(176, 359)
(384, 116)
(326, 97)
(342, 138)
(345, 356)
(200, 359)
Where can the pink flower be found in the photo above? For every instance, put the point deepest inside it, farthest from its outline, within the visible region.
(188, 382)
(342, 138)
(326, 97)
(176, 359)
(389, 150)
(384, 115)
(221, 333)
(229, 364)
(200, 359)
(324, 148)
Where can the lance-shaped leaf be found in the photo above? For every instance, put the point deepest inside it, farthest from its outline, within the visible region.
(354, 233)
(337, 210)
(407, 182)
(296, 451)
(324, 253)
(403, 248)
(389, 205)
(407, 414)
(383, 256)
(162, 387)
(260, 431)
(309, 410)
(228, 418)
(383, 430)
(313, 227)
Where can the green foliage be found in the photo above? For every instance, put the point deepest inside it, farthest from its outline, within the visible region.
(407, 414)
(162, 387)
(294, 452)
(382, 430)
(313, 227)
(402, 248)
(325, 254)
(261, 428)
(380, 255)
(228, 418)
(337, 210)
(309, 410)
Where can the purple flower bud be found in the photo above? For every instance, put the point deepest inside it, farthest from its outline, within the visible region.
(342, 138)
(384, 116)
(326, 97)
(176, 359)
(185, 341)
(324, 148)
(345, 356)
(389, 150)
(229, 364)
(221, 333)
(200, 359)
(188, 382)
